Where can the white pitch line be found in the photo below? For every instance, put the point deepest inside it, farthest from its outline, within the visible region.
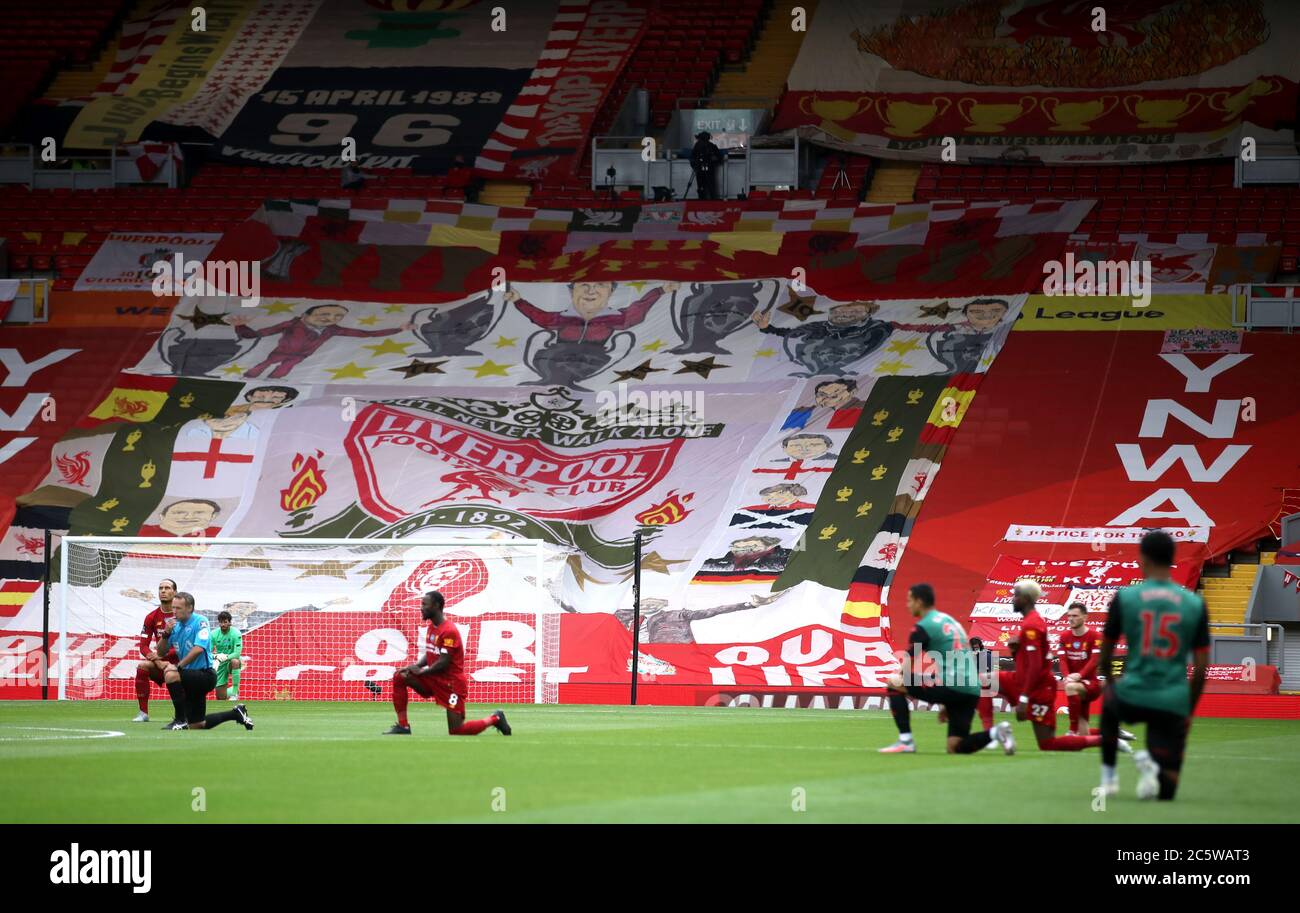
(95, 734)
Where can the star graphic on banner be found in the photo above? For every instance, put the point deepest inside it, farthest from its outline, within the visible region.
(233, 369)
(657, 563)
(394, 309)
(701, 367)
(580, 574)
(490, 368)
(891, 367)
(278, 307)
(417, 367)
(505, 342)
(799, 306)
(903, 346)
(254, 560)
(640, 372)
(387, 347)
(637, 285)
(351, 369)
(986, 361)
(376, 571)
(369, 321)
(201, 319)
(653, 346)
(328, 568)
(765, 353)
(940, 310)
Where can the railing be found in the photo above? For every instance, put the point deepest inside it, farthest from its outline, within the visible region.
(1272, 637)
(1280, 309)
(768, 166)
(20, 164)
(32, 303)
(1273, 165)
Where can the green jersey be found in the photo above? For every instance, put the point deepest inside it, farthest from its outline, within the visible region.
(229, 643)
(1162, 623)
(943, 637)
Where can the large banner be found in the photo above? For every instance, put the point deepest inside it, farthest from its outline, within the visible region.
(1090, 581)
(414, 85)
(169, 72)
(1078, 441)
(773, 447)
(48, 379)
(1059, 80)
(545, 133)
(125, 260)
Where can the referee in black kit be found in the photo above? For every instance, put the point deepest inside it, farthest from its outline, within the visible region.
(191, 678)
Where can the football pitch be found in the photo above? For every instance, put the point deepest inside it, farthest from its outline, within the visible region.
(84, 762)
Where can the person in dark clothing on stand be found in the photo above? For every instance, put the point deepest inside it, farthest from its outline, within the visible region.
(705, 159)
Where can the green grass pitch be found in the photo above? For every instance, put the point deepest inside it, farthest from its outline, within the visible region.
(324, 762)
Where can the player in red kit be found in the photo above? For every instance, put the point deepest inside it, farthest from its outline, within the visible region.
(440, 674)
(1032, 686)
(1079, 652)
(152, 667)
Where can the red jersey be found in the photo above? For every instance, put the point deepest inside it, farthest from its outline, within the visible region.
(1033, 665)
(444, 640)
(155, 624)
(1080, 653)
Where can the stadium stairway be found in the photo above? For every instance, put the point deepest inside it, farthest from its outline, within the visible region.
(80, 81)
(774, 54)
(894, 182)
(504, 193)
(1228, 597)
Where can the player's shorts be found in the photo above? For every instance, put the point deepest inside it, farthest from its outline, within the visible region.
(197, 684)
(450, 692)
(1042, 703)
(1166, 731)
(959, 704)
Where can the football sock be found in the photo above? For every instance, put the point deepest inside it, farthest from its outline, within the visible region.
(142, 690)
(1168, 786)
(1070, 742)
(974, 742)
(1072, 701)
(177, 691)
(234, 680)
(1108, 774)
(985, 708)
(216, 719)
(400, 699)
(473, 727)
(902, 714)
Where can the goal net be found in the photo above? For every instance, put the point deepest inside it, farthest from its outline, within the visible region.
(320, 619)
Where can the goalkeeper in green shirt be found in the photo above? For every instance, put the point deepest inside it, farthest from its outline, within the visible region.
(227, 644)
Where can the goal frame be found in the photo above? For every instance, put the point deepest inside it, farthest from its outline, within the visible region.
(538, 545)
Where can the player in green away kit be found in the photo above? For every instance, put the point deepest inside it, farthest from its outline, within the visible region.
(940, 669)
(227, 644)
(1162, 623)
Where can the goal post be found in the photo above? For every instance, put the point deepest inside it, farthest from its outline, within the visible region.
(321, 619)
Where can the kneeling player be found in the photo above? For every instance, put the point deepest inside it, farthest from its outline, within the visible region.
(941, 640)
(227, 645)
(191, 678)
(1163, 623)
(153, 666)
(1033, 685)
(440, 675)
(1079, 652)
